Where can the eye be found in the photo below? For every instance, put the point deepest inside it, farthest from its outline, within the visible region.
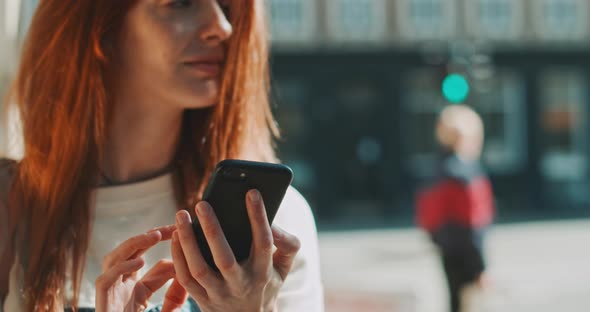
(180, 4)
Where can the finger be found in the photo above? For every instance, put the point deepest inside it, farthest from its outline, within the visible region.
(108, 278)
(175, 297)
(223, 255)
(262, 240)
(288, 246)
(183, 274)
(197, 265)
(153, 280)
(130, 247)
(166, 232)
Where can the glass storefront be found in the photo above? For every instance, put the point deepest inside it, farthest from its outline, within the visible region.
(563, 126)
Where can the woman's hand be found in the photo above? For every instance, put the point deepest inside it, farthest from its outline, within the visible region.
(250, 286)
(118, 288)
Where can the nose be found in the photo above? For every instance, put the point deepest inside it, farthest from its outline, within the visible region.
(215, 27)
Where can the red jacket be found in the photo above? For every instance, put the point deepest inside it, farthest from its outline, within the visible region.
(452, 201)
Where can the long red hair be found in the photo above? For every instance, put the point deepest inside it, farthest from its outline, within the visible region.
(64, 101)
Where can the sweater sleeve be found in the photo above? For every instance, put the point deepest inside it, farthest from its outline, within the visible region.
(303, 290)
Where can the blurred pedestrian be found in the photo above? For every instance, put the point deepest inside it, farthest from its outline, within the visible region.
(458, 206)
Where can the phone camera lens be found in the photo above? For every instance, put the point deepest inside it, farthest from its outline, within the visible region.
(227, 172)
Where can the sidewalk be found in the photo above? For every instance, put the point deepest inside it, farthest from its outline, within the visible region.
(534, 267)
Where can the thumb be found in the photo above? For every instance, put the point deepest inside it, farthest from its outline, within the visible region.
(287, 247)
(153, 280)
(175, 298)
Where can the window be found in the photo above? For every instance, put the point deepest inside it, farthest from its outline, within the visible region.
(561, 19)
(563, 121)
(502, 110)
(495, 19)
(421, 102)
(28, 9)
(427, 19)
(290, 96)
(292, 20)
(357, 20)
(9, 13)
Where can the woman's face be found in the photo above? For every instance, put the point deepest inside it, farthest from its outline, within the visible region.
(172, 52)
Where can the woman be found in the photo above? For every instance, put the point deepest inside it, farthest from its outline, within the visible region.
(126, 107)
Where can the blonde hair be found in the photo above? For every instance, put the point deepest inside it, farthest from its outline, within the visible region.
(461, 129)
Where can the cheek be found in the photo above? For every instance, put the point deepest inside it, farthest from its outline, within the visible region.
(154, 42)
(163, 44)
(174, 35)
(154, 49)
(180, 28)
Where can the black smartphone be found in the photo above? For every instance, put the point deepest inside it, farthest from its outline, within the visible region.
(226, 193)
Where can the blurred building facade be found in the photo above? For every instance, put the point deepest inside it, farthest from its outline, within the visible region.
(357, 86)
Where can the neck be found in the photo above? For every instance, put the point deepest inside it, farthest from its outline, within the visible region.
(142, 143)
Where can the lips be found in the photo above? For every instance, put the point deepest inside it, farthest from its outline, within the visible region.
(205, 68)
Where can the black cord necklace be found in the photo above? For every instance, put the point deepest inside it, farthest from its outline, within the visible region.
(108, 181)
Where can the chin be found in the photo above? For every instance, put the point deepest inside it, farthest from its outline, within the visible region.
(195, 99)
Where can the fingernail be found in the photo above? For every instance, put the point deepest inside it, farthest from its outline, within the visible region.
(138, 261)
(279, 233)
(153, 234)
(182, 218)
(203, 209)
(254, 196)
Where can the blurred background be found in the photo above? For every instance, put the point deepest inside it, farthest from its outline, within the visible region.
(357, 86)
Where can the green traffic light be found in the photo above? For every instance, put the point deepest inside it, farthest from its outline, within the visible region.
(455, 88)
